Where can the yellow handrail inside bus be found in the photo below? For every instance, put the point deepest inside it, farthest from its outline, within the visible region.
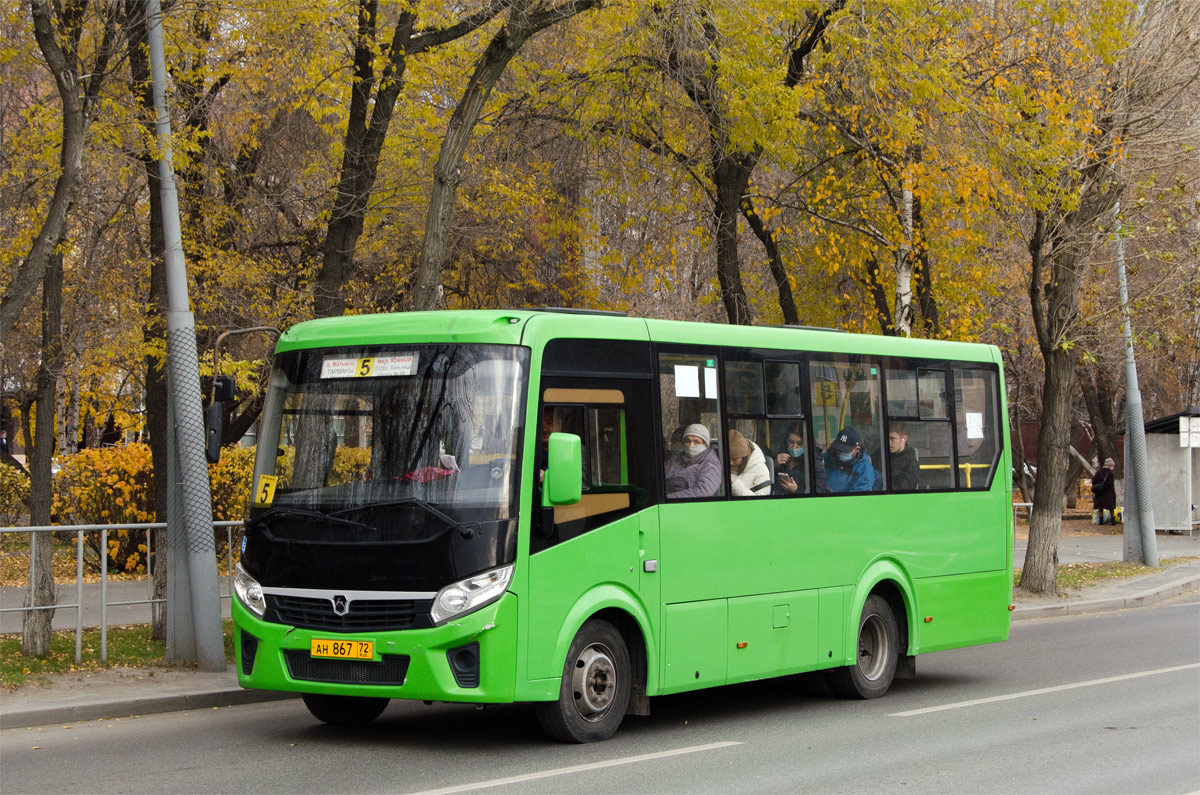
(968, 467)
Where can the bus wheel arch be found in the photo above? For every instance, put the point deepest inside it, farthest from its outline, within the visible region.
(635, 642)
(595, 686)
(894, 596)
(877, 653)
(884, 603)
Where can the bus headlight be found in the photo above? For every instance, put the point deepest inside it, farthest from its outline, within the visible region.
(249, 591)
(470, 594)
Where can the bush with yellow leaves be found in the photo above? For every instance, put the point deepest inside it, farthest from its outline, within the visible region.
(14, 495)
(114, 485)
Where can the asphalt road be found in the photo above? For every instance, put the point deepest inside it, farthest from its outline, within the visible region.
(1072, 549)
(1106, 702)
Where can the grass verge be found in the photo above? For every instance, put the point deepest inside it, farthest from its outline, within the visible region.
(129, 647)
(1081, 575)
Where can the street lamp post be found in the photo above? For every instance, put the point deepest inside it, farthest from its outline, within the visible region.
(193, 600)
(1140, 543)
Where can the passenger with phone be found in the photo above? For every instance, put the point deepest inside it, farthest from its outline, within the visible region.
(791, 466)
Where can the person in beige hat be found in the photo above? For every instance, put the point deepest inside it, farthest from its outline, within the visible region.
(748, 471)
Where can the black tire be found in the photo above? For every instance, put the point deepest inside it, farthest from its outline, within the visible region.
(344, 710)
(595, 687)
(878, 647)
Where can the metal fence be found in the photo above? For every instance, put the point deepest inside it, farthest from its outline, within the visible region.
(104, 529)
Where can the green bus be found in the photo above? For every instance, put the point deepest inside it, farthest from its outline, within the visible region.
(582, 510)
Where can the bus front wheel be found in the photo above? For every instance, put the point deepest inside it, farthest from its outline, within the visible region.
(344, 710)
(878, 646)
(595, 687)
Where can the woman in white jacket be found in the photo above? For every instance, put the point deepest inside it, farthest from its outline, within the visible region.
(748, 467)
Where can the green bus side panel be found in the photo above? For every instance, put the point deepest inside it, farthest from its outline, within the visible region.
(832, 619)
(568, 579)
(966, 610)
(719, 549)
(694, 642)
(779, 633)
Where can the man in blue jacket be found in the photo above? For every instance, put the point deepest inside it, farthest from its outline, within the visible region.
(847, 468)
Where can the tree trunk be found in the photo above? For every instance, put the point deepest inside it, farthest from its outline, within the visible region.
(427, 283)
(366, 131)
(1071, 485)
(923, 275)
(902, 315)
(787, 302)
(60, 414)
(35, 625)
(73, 420)
(1098, 397)
(52, 36)
(523, 22)
(1041, 558)
(874, 285)
(731, 178)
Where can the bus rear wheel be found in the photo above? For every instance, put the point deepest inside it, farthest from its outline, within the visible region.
(595, 687)
(344, 710)
(878, 648)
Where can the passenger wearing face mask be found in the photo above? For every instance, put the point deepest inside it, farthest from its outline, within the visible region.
(847, 468)
(791, 467)
(696, 470)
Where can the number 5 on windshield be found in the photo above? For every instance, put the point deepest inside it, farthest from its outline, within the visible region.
(264, 493)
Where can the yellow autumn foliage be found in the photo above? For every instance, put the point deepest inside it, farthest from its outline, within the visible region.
(14, 494)
(114, 485)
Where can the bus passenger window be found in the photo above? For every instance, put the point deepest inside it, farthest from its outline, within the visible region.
(975, 413)
(918, 427)
(848, 422)
(690, 408)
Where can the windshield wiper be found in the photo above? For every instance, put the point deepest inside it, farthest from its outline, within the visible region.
(284, 512)
(463, 530)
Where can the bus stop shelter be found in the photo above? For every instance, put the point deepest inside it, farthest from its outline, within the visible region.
(1173, 453)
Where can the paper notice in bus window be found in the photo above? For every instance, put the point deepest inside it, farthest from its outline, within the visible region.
(974, 425)
(687, 380)
(710, 383)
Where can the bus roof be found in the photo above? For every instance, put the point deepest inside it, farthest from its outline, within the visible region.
(524, 326)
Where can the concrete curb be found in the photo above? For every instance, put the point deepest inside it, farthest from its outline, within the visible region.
(134, 707)
(1140, 599)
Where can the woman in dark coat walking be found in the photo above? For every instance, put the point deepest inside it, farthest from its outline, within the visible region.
(1104, 494)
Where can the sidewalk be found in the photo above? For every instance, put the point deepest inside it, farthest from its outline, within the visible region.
(124, 692)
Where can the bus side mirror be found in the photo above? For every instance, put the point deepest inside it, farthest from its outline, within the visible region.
(563, 482)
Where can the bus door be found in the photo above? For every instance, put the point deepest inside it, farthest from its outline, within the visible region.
(603, 550)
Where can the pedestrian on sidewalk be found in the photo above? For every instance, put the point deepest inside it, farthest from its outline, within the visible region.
(1104, 494)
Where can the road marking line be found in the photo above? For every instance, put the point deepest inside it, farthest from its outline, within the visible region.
(1040, 691)
(562, 771)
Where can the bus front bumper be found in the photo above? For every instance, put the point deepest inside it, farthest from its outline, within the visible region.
(410, 664)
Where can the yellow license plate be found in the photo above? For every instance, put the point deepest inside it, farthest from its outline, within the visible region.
(343, 649)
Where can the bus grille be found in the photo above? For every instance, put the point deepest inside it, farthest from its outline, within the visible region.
(391, 670)
(364, 615)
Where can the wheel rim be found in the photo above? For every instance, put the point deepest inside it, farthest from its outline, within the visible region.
(872, 647)
(594, 682)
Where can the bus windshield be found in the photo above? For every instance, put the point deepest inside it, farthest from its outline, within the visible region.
(433, 426)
